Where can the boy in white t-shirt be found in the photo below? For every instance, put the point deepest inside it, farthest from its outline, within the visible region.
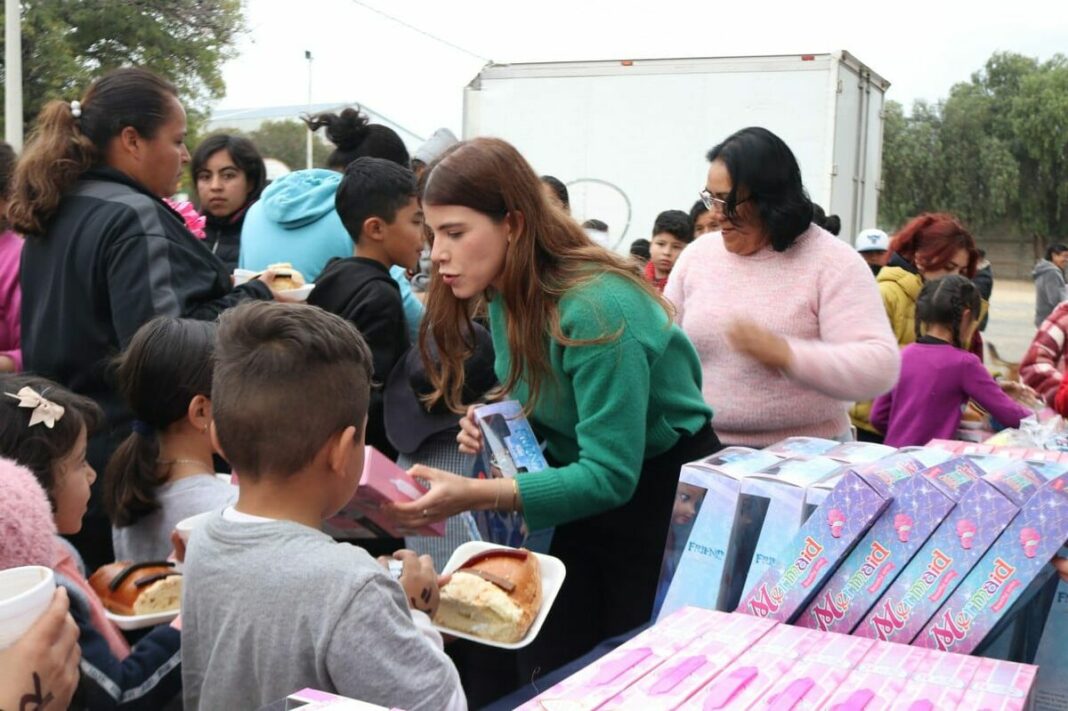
(272, 604)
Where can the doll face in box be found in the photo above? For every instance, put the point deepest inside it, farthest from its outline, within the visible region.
(688, 500)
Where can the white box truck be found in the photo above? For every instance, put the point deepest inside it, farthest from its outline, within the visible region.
(629, 137)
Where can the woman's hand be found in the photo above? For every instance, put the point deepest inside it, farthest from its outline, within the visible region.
(1023, 394)
(470, 437)
(41, 669)
(760, 344)
(418, 579)
(449, 495)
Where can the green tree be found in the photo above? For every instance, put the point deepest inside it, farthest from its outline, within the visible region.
(995, 152)
(67, 43)
(287, 141)
(1038, 116)
(912, 166)
(284, 141)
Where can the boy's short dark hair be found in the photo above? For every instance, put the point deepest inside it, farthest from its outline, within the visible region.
(640, 248)
(676, 223)
(41, 448)
(372, 187)
(287, 378)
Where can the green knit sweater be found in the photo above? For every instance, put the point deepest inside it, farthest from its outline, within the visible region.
(610, 406)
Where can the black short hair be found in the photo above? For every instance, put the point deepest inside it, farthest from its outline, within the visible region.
(293, 361)
(676, 223)
(244, 154)
(765, 169)
(598, 225)
(696, 211)
(1056, 248)
(559, 188)
(41, 448)
(372, 187)
(831, 223)
(640, 248)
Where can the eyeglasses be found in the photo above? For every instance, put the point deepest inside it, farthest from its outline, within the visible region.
(711, 201)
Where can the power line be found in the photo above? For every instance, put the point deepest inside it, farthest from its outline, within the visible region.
(413, 28)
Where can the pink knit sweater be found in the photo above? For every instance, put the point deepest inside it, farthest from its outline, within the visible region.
(820, 296)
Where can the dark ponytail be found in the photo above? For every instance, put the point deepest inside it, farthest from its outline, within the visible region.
(72, 137)
(943, 301)
(356, 137)
(166, 365)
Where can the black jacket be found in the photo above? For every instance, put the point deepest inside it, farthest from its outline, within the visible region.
(362, 291)
(113, 257)
(222, 235)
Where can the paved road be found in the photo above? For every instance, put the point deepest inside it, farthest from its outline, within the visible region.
(1012, 314)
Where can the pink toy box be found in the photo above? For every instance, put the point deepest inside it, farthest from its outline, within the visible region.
(676, 680)
(382, 482)
(750, 676)
(984, 511)
(1019, 556)
(823, 541)
(595, 685)
(921, 502)
(999, 686)
(817, 675)
(879, 679)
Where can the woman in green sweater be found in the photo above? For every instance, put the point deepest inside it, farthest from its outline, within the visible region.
(610, 384)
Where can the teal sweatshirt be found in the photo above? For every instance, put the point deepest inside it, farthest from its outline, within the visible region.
(295, 221)
(610, 406)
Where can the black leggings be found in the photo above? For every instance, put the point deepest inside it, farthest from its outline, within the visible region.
(613, 562)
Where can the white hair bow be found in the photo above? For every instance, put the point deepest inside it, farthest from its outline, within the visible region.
(44, 410)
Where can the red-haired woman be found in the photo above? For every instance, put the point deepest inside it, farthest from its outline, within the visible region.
(930, 246)
(608, 380)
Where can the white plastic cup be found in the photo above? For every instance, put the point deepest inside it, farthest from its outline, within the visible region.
(186, 526)
(25, 594)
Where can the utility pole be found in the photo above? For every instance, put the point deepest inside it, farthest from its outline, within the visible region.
(13, 74)
(308, 56)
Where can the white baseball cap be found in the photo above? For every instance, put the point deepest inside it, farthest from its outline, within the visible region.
(872, 240)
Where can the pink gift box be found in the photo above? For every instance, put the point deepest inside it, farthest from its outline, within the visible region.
(999, 686)
(746, 680)
(381, 483)
(825, 539)
(939, 683)
(676, 680)
(934, 573)
(592, 687)
(818, 674)
(997, 581)
(879, 679)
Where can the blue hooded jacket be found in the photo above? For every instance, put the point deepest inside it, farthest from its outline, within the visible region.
(295, 221)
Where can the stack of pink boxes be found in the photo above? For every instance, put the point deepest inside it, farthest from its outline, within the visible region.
(701, 659)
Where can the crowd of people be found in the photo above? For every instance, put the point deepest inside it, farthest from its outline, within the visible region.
(136, 371)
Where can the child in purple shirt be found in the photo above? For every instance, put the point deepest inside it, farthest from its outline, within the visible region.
(10, 293)
(938, 376)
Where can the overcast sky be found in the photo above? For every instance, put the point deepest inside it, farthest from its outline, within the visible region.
(921, 47)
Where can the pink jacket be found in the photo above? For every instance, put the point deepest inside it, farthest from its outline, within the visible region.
(820, 296)
(10, 297)
(1043, 365)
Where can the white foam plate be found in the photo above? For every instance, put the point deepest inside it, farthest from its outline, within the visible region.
(552, 579)
(136, 622)
(241, 276)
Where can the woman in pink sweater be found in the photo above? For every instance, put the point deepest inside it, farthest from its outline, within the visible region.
(786, 319)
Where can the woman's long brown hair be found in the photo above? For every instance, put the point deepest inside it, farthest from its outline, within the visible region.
(549, 256)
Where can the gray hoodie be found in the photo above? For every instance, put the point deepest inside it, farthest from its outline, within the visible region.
(1049, 289)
